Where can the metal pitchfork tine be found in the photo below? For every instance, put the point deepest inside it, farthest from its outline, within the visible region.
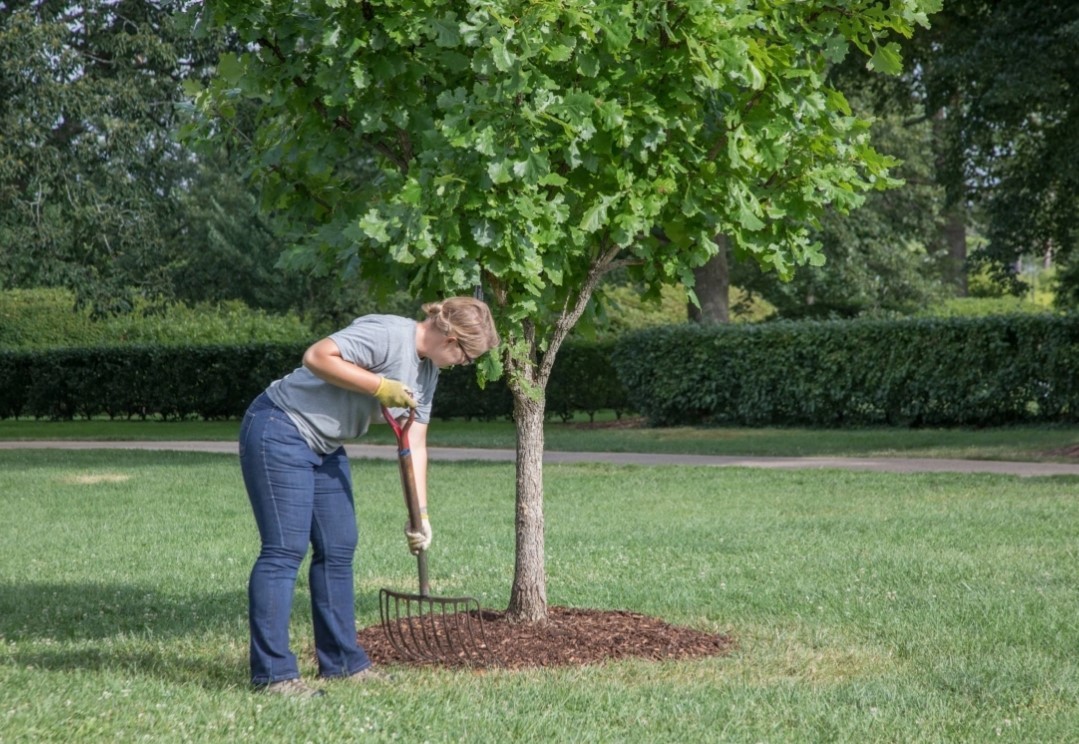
(419, 626)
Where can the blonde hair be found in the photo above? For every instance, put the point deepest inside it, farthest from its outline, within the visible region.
(466, 319)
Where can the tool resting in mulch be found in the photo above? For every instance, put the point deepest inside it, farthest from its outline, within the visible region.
(571, 637)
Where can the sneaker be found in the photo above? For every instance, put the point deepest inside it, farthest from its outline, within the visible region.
(295, 688)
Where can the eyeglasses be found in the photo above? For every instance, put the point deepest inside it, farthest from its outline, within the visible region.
(468, 359)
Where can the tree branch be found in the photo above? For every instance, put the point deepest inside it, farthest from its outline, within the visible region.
(570, 315)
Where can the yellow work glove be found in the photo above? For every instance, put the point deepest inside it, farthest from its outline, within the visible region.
(419, 539)
(394, 394)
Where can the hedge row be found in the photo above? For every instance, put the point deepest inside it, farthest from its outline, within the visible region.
(934, 372)
(218, 382)
(211, 382)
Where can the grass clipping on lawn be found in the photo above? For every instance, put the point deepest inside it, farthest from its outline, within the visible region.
(570, 637)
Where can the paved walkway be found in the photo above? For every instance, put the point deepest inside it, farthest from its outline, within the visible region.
(388, 452)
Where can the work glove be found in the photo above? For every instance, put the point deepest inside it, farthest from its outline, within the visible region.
(394, 394)
(419, 539)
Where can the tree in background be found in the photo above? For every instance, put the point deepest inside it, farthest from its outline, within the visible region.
(999, 79)
(96, 194)
(87, 163)
(531, 148)
(889, 257)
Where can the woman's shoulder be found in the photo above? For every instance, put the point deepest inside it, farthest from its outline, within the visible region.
(378, 321)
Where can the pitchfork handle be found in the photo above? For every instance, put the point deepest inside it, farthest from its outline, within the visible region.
(408, 485)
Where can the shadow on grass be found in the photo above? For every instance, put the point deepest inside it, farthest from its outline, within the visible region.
(97, 627)
(173, 668)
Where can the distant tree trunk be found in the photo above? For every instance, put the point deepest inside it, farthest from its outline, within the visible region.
(713, 288)
(955, 237)
(954, 231)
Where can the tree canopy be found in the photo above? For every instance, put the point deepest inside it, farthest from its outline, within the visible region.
(509, 144)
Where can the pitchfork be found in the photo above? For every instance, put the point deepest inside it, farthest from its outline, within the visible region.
(419, 626)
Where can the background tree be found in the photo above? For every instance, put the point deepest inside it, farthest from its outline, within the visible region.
(888, 258)
(86, 93)
(530, 148)
(96, 194)
(999, 79)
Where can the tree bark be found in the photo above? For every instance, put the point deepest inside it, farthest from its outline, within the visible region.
(528, 600)
(712, 284)
(955, 237)
(954, 228)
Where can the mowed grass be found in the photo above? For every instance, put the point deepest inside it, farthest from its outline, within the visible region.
(866, 607)
(608, 434)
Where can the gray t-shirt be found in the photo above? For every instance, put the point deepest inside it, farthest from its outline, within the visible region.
(325, 414)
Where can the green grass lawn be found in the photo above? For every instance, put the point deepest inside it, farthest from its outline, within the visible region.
(1009, 443)
(866, 607)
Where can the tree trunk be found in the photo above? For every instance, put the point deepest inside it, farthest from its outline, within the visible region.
(713, 288)
(528, 599)
(954, 229)
(955, 237)
(528, 372)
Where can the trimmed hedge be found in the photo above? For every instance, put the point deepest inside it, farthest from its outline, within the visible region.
(218, 382)
(211, 382)
(934, 372)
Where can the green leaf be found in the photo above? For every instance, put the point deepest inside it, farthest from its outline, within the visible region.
(359, 76)
(500, 172)
(588, 64)
(502, 57)
(560, 52)
(610, 114)
(445, 31)
(887, 59)
(576, 107)
(375, 227)
(485, 233)
(230, 68)
(835, 49)
(595, 217)
(412, 193)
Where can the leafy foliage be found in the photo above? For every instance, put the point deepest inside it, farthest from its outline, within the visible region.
(218, 380)
(47, 319)
(87, 163)
(1002, 75)
(886, 258)
(517, 144)
(140, 381)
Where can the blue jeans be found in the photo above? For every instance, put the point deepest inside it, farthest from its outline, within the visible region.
(299, 497)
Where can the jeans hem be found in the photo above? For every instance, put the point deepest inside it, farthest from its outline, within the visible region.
(264, 681)
(364, 668)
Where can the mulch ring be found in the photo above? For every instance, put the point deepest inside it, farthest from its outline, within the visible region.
(570, 637)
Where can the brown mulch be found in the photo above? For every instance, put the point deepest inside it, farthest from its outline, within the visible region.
(570, 637)
(1070, 451)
